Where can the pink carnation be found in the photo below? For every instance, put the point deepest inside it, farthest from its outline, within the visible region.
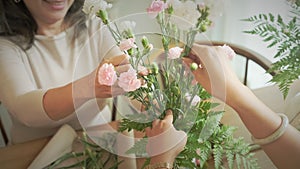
(175, 52)
(107, 74)
(156, 7)
(128, 81)
(229, 51)
(127, 44)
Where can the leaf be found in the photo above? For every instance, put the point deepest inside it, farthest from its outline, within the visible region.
(212, 122)
(271, 16)
(238, 160)
(284, 36)
(230, 159)
(134, 122)
(139, 147)
(217, 152)
(205, 153)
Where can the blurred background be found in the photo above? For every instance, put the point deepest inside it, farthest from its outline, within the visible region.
(227, 27)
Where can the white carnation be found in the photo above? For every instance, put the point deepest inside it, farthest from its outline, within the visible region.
(185, 14)
(91, 7)
(195, 100)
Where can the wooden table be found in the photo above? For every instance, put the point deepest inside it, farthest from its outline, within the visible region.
(20, 156)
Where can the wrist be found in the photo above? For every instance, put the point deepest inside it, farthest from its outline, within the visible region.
(237, 96)
(83, 88)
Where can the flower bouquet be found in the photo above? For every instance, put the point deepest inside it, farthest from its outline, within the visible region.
(158, 80)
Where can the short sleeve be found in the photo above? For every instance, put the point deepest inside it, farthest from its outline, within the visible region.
(18, 92)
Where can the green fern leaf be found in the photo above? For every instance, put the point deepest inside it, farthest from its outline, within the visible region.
(217, 154)
(272, 18)
(238, 161)
(139, 148)
(211, 124)
(230, 159)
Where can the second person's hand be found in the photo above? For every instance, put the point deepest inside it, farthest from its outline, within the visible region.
(214, 72)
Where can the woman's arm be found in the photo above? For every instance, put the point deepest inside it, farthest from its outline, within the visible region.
(217, 77)
(62, 101)
(261, 121)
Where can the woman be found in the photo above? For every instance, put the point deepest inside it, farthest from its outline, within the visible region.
(49, 53)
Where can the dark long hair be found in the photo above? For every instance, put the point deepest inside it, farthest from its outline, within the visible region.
(18, 25)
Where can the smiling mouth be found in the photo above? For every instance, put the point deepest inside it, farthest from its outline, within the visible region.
(56, 4)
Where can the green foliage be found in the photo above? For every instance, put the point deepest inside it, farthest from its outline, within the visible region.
(92, 156)
(212, 122)
(139, 148)
(133, 122)
(218, 148)
(208, 140)
(286, 37)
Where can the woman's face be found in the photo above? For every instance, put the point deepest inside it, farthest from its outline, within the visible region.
(48, 12)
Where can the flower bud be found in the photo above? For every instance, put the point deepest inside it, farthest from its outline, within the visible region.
(103, 16)
(154, 69)
(203, 28)
(164, 41)
(129, 33)
(130, 52)
(170, 10)
(145, 42)
(194, 66)
(175, 90)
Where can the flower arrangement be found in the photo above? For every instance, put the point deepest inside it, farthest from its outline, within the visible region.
(166, 83)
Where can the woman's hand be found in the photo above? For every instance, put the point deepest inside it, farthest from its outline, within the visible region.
(165, 142)
(121, 64)
(214, 74)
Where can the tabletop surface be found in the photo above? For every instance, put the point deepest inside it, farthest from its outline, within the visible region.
(20, 156)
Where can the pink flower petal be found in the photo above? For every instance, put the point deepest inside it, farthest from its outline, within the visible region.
(156, 7)
(143, 70)
(175, 52)
(127, 44)
(128, 81)
(107, 74)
